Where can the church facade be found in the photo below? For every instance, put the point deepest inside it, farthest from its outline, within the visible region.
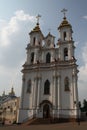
(49, 82)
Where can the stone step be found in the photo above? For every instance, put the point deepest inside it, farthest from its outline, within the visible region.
(28, 122)
(41, 121)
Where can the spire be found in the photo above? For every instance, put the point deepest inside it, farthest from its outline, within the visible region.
(12, 93)
(3, 93)
(36, 28)
(64, 12)
(64, 23)
(38, 17)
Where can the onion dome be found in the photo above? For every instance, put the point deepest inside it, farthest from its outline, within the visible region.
(64, 23)
(36, 29)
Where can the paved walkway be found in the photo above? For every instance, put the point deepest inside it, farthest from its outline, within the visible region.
(61, 126)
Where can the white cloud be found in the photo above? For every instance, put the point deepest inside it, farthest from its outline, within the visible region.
(76, 43)
(20, 15)
(13, 26)
(85, 17)
(84, 53)
(13, 40)
(13, 37)
(83, 74)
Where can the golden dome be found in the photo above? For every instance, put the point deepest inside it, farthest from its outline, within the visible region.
(36, 29)
(64, 23)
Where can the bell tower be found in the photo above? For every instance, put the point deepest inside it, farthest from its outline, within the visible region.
(36, 39)
(65, 42)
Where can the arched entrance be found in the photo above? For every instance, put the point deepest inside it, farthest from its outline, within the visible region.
(46, 111)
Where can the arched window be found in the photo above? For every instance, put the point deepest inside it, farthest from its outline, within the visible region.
(29, 86)
(48, 57)
(34, 39)
(47, 87)
(66, 84)
(65, 54)
(32, 57)
(64, 34)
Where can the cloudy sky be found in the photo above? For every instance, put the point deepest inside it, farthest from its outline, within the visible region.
(18, 17)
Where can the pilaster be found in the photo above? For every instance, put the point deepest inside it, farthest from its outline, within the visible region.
(54, 91)
(35, 93)
(75, 92)
(59, 91)
(38, 91)
(22, 93)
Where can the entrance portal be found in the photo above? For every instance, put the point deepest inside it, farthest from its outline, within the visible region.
(46, 111)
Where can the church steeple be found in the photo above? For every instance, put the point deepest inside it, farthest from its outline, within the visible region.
(64, 23)
(36, 41)
(36, 35)
(65, 41)
(12, 93)
(3, 94)
(65, 29)
(38, 17)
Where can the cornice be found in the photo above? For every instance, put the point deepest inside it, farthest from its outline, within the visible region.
(49, 66)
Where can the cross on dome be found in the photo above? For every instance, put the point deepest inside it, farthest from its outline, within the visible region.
(64, 12)
(38, 17)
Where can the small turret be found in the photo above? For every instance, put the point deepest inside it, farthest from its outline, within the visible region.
(65, 42)
(36, 35)
(12, 93)
(49, 41)
(3, 94)
(65, 29)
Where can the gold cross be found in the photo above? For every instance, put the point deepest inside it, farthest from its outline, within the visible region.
(38, 17)
(64, 12)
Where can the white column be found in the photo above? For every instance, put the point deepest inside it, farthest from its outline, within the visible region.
(35, 56)
(38, 92)
(22, 93)
(34, 93)
(75, 88)
(69, 53)
(75, 94)
(54, 92)
(61, 53)
(70, 49)
(59, 92)
(36, 42)
(52, 56)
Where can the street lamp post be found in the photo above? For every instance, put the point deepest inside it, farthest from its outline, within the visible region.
(78, 113)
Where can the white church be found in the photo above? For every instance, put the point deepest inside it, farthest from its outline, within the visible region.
(49, 82)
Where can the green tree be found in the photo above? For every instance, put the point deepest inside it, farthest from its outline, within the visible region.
(79, 104)
(84, 108)
(85, 104)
